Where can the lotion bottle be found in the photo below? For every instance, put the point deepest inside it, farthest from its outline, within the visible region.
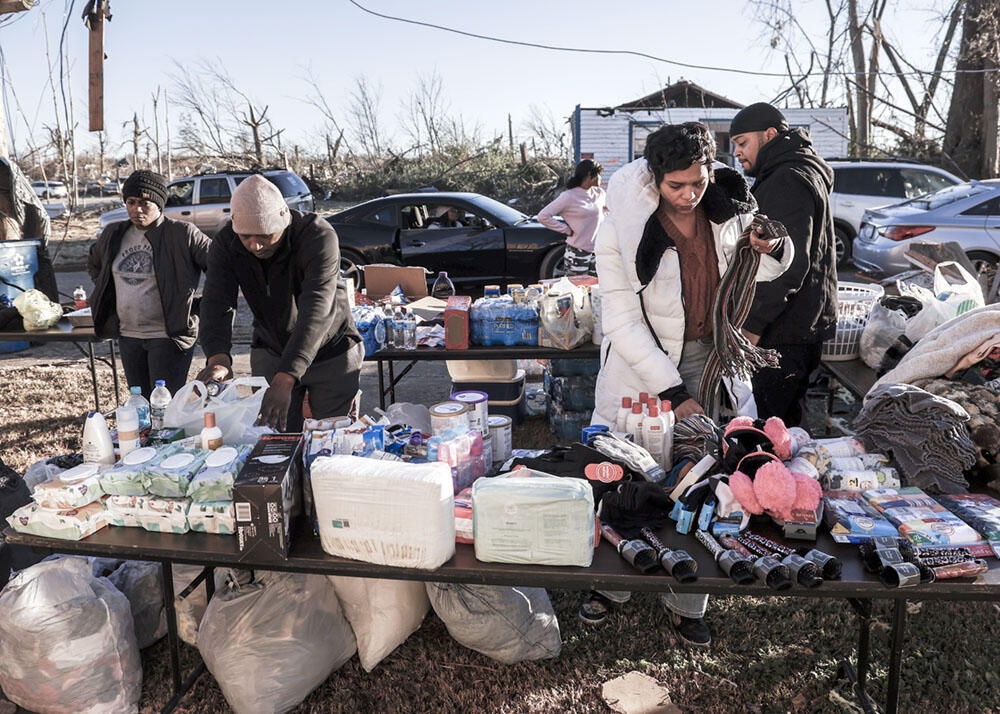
(633, 425)
(127, 421)
(623, 413)
(97, 446)
(652, 434)
(211, 435)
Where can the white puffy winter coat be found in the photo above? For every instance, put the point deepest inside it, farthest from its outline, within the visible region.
(630, 257)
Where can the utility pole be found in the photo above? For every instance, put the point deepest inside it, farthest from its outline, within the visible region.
(95, 23)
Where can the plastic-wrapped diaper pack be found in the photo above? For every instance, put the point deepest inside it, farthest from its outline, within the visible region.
(73, 488)
(384, 512)
(533, 519)
(160, 515)
(171, 476)
(129, 476)
(69, 524)
(212, 517)
(214, 482)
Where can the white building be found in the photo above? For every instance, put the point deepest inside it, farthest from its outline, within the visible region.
(614, 136)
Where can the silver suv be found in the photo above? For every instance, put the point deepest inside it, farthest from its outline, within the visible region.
(204, 199)
(860, 184)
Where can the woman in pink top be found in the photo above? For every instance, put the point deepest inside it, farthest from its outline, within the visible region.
(582, 208)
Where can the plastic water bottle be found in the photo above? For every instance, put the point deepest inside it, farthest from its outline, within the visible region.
(409, 330)
(141, 406)
(79, 298)
(390, 327)
(443, 288)
(158, 402)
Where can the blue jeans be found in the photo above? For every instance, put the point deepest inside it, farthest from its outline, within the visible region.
(691, 367)
(146, 361)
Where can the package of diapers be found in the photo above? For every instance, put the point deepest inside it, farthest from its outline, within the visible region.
(212, 517)
(171, 476)
(385, 512)
(214, 482)
(70, 524)
(154, 513)
(72, 488)
(533, 519)
(130, 476)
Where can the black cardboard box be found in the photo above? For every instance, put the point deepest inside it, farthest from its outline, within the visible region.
(266, 497)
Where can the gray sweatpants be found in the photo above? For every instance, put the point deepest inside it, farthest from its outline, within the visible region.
(684, 604)
(332, 383)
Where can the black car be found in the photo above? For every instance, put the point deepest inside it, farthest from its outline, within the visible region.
(474, 238)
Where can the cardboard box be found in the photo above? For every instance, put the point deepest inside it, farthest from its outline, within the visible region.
(382, 278)
(456, 322)
(266, 497)
(803, 524)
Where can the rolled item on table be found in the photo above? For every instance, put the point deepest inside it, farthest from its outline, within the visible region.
(965, 569)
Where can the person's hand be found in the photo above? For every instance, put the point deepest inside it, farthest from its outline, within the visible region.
(754, 339)
(766, 234)
(277, 399)
(217, 369)
(688, 407)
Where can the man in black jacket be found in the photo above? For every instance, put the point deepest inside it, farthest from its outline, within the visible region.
(287, 264)
(145, 272)
(797, 311)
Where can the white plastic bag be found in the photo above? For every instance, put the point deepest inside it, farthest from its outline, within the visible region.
(236, 407)
(67, 643)
(565, 318)
(270, 643)
(957, 289)
(509, 624)
(383, 613)
(37, 311)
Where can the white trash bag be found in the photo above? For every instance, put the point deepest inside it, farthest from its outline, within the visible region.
(382, 613)
(508, 624)
(67, 644)
(236, 407)
(270, 643)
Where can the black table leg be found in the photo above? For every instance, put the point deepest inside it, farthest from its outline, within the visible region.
(832, 387)
(93, 376)
(173, 640)
(114, 371)
(895, 655)
(392, 384)
(381, 386)
(859, 677)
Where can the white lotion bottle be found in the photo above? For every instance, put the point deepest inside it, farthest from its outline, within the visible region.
(633, 425)
(97, 446)
(127, 421)
(621, 419)
(652, 434)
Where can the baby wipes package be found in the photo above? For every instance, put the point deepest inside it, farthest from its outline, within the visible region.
(129, 476)
(385, 512)
(67, 524)
(154, 513)
(212, 517)
(72, 488)
(214, 482)
(533, 518)
(171, 476)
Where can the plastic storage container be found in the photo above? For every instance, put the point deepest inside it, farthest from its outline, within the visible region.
(496, 388)
(18, 265)
(854, 306)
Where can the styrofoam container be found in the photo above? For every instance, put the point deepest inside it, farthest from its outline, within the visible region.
(466, 370)
(385, 512)
(536, 519)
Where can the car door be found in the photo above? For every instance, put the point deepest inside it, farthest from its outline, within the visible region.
(471, 252)
(211, 209)
(865, 187)
(180, 201)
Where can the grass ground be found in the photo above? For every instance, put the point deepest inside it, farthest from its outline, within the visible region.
(769, 655)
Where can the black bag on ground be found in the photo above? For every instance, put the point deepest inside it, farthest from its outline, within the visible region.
(13, 494)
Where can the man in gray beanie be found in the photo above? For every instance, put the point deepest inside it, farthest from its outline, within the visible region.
(797, 311)
(287, 264)
(146, 270)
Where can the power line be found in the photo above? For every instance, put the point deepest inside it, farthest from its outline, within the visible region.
(644, 55)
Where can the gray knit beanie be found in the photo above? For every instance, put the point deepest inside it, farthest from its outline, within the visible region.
(258, 208)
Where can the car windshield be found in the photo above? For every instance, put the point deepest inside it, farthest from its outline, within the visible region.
(505, 213)
(288, 183)
(945, 196)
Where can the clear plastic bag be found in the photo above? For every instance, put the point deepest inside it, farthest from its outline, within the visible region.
(142, 583)
(270, 643)
(236, 407)
(67, 643)
(37, 311)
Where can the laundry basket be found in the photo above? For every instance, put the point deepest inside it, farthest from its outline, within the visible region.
(854, 305)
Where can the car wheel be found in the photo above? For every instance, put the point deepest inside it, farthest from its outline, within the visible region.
(842, 245)
(552, 264)
(986, 269)
(351, 265)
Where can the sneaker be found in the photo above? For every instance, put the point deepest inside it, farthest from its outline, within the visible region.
(595, 608)
(692, 630)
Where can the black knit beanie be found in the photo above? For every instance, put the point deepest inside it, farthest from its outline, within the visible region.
(147, 185)
(757, 117)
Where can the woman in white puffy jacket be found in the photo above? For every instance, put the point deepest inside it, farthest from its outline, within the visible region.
(672, 230)
(670, 235)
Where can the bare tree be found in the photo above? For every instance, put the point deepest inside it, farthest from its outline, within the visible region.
(550, 136)
(365, 111)
(424, 112)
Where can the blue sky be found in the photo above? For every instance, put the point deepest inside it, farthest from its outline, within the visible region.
(268, 50)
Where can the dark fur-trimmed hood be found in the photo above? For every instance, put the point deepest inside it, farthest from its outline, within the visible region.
(727, 196)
